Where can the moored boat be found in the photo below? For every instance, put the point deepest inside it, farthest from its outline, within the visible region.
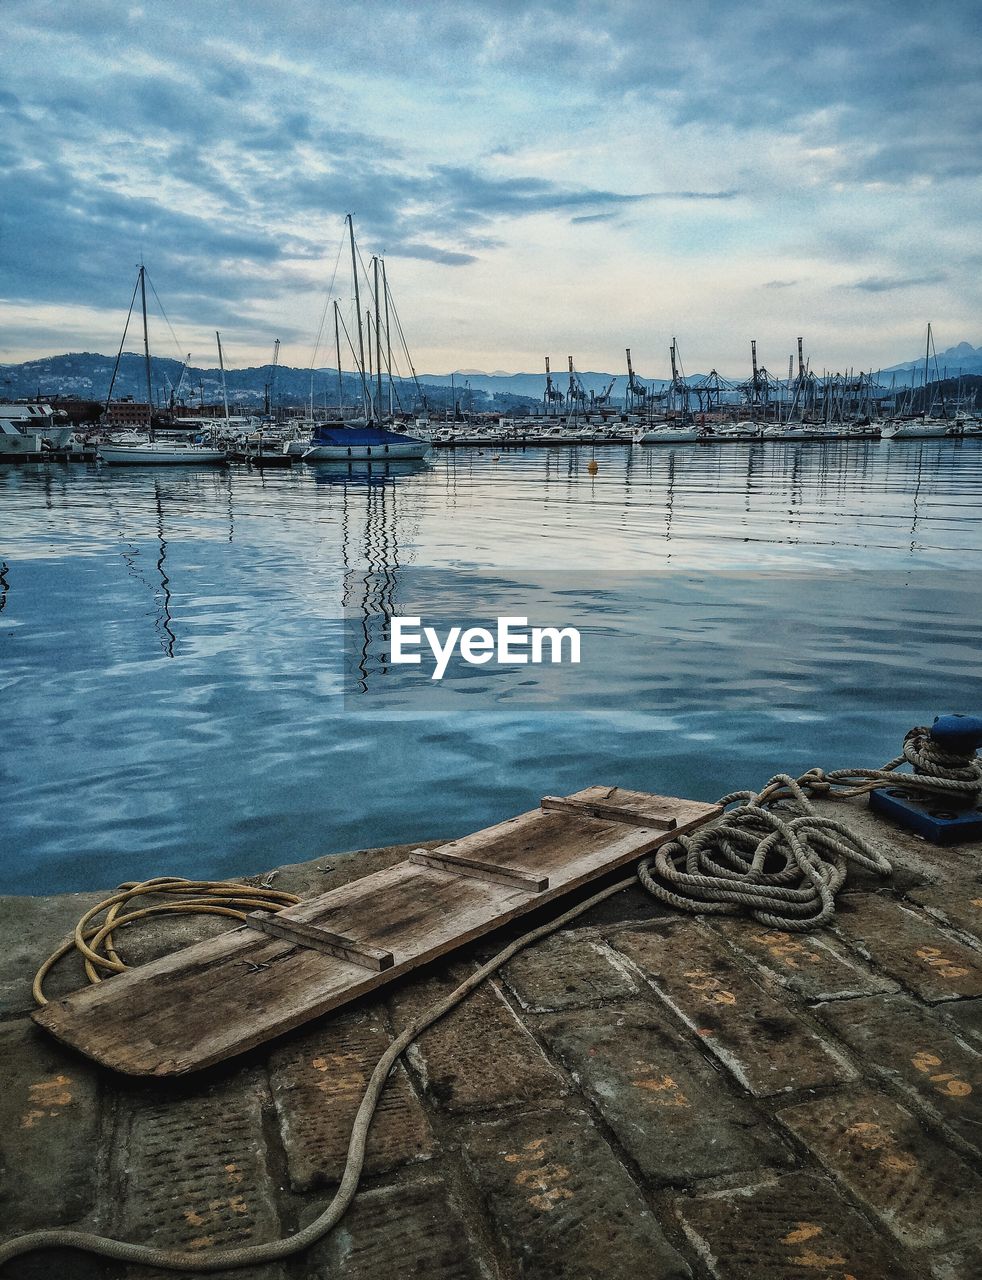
(27, 429)
(160, 453)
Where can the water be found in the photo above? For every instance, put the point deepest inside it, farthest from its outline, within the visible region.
(176, 699)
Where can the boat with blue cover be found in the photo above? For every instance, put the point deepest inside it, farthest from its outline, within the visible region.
(373, 436)
(344, 441)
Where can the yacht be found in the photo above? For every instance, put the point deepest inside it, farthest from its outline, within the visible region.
(31, 428)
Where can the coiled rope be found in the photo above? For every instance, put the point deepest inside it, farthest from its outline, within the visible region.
(783, 870)
(774, 858)
(94, 939)
(274, 1250)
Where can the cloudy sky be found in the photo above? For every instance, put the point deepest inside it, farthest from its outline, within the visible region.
(567, 178)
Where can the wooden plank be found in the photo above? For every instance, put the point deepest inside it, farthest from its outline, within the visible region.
(614, 812)
(332, 944)
(212, 1000)
(480, 870)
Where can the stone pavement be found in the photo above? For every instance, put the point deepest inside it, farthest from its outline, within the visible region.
(642, 1095)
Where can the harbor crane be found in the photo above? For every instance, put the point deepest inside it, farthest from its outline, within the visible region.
(269, 390)
(575, 394)
(598, 399)
(551, 395)
(678, 391)
(636, 394)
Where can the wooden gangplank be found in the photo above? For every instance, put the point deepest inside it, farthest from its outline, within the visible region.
(217, 998)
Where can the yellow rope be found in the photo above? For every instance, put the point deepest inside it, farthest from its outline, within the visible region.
(94, 941)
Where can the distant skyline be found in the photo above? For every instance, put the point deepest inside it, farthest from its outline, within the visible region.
(561, 179)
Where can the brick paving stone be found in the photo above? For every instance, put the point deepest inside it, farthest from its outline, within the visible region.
(906, 1043)
(318, 1081)
(567, 971)
(746, 1024)
(906, 945)
(194, 1172)
(967, 1016)
(412, 1231)
(49, 1130)
(922, 1192)
(561, 1203)
(665, 1102)
(480, 1055)
(812, 964)
(958, 904)
(796, 1226)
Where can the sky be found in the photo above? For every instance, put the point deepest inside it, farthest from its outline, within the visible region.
(557, 179)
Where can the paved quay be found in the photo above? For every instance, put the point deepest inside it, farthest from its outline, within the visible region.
(641, 1095)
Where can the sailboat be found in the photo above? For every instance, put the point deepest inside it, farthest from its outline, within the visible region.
(927, 427)
(148, 450)
(366, 438)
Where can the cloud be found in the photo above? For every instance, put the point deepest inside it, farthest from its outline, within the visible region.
(732, 144)
(884, 284)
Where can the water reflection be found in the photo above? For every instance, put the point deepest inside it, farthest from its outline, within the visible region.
(165, 618)
(370, 557)
(215, 737)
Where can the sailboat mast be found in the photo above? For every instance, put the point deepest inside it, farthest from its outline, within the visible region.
(388, 337)
(927, 356)
(361, 333)
(146, 343)
(378, 342)
(221, 365)
(337, 350)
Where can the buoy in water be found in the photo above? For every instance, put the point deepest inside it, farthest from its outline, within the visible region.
(592, 467)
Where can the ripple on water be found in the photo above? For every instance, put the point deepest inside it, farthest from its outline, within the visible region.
(171, 645)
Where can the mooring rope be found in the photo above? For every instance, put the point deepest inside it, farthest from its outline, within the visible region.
(274, 1250)
(772, 856)
(775, 858)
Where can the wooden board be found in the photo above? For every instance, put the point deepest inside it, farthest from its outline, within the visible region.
(214, 999)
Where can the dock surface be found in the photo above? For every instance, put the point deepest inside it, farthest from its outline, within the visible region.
(641, 1095)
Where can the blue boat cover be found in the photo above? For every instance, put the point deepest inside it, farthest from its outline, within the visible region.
(337, 433)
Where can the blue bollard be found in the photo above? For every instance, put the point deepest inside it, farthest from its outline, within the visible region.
(941, 818)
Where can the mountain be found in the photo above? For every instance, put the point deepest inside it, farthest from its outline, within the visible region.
(953, 363)
(86, 375)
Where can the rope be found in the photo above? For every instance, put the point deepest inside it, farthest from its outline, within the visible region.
(784, 870)
(774, 858)
(273, 1250)
(94, 940)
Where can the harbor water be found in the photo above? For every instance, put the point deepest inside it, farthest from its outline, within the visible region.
(176, 696)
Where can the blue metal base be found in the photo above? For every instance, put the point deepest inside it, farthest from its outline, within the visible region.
(929, 816)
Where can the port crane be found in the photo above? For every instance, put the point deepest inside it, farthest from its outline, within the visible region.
(575, 394)
(597, 399)
(636, 394)
(678, 389)
(551, 395)
(269, 390)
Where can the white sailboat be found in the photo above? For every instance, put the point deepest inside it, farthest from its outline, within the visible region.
(925, 427)
(148, 450)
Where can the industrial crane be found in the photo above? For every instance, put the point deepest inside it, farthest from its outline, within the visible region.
(575, 395)
(551, 394)
(603, 397)
(636, 395)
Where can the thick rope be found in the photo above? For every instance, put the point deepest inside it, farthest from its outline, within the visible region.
(273, 1250)
(774, 858)
(784, 870)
